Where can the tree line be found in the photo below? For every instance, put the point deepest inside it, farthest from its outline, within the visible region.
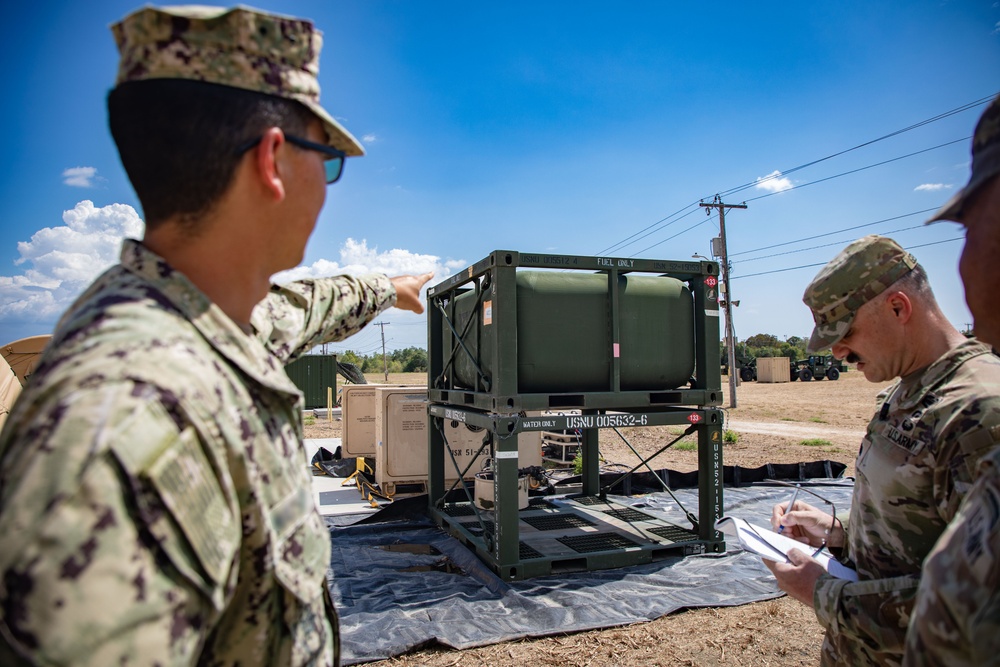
(414, 359)
(768, 345)
(407, 360)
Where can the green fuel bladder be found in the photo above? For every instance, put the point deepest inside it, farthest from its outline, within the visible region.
(564, 333)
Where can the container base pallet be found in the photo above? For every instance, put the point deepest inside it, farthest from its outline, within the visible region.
(572, 534)
(478, 400)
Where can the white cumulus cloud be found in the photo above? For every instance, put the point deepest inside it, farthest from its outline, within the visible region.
(59, 262)
(773, 182)
(931, 187)
(357, 258)
(407, 329)
(80, 177)
(369, 138)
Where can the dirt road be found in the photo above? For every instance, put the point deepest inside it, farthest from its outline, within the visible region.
(789, 430)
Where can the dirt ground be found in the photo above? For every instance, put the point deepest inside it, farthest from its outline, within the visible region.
(773, 423)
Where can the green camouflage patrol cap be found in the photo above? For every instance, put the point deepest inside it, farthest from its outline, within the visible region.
(862, 271)
(240, 47)
(985, 162)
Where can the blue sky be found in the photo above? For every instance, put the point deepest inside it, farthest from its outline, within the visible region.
(584, 128)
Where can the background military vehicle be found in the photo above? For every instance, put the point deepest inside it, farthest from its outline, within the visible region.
(817, 366)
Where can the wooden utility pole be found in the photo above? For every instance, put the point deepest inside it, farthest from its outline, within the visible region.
(730, 342)
(385, 364)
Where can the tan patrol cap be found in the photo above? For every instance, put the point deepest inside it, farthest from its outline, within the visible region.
(240, 47)
(862, 271)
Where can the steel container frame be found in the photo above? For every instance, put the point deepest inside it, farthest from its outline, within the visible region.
(497, 406)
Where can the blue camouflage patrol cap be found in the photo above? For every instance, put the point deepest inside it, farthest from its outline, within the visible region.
(862, 271)
(985, 163)
(240, 47)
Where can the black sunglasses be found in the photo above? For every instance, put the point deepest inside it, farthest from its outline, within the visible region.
(333, 162)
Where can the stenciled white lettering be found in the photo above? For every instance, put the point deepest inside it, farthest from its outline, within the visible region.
(606, 421)
(538, 423)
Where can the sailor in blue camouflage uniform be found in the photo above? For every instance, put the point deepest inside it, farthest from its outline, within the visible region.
(155, 504)
(956, 618)
(873, 306)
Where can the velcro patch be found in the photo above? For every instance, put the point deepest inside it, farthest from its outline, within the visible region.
(905, 441)
(187, 485)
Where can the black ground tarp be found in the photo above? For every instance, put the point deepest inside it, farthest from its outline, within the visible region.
(403, 583)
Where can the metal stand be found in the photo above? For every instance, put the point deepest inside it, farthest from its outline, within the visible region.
(588, 531)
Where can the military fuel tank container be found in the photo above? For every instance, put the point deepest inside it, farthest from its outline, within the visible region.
(564, 337)
(519, 331)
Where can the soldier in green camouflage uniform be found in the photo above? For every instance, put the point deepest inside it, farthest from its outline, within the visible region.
(956, 617)
(872, 305)
(155, 503)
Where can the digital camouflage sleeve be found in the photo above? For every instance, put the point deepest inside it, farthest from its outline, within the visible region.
(916, 463)
(155, 504)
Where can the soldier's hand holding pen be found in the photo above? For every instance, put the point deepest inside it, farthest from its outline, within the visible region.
(807, 523)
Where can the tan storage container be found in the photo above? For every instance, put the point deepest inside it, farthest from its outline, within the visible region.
(358, 407)
(400, 436)
(401, 423)
(773, 369)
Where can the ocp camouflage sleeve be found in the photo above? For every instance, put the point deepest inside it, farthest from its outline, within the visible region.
(865, 621)
(917, 462)
(956, 618)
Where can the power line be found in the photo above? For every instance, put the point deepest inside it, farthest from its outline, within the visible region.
(802, 185)
(927, 121)
(825, 245)
(845, 229)
(806, 266)
(363, 337)
(854, 171)
(623, 243)
(364, 351)
(659, 223)
(672, 237)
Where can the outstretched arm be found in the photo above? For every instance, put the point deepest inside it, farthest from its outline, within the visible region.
(408, 291)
